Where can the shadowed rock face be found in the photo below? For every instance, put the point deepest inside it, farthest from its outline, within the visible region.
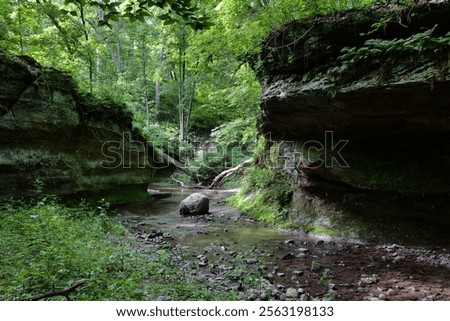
(50, 132)
(391, 110)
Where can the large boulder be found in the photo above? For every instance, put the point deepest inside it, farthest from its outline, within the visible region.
(194, 204)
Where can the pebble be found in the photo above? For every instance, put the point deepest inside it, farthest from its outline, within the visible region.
(390, 292)
(292, 293)
(303, 250)
(398, 259)
(381, 296)
(346, 285)
(288, 256)
(280, 274)
(252, 295)
(298, 272)
(368, 279)
(320, 242)
(289, 242)
(333, 293)
(304, 297)
(251, 261)
(238, 287)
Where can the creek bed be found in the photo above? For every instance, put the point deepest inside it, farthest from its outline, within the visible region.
(228, 249)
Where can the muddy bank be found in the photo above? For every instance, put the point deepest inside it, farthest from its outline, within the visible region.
(230, 252)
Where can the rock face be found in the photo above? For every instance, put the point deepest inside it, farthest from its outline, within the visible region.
(194, 204)
(361, 116)
(68, 142)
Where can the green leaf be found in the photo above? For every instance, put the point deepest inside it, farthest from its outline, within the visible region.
(165, 17)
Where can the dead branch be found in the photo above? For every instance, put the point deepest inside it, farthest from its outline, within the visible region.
(65, 292)
(219, 179)
(184, 185)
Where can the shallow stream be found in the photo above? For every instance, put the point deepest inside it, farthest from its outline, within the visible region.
(226, 246)
(225, 224)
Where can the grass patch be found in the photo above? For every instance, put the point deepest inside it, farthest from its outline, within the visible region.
(253, 205)
(320, 230)
(47, 246)
(265, 195)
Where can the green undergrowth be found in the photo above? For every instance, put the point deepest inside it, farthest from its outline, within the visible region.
(419, 46)
(102, 107)
(265, 195)
(320, 230)
(48, 247)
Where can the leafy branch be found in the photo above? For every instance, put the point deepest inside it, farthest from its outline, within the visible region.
(139, 10)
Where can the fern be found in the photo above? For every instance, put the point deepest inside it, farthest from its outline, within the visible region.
(390, 50)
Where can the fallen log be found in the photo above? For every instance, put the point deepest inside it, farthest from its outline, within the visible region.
(223, 176)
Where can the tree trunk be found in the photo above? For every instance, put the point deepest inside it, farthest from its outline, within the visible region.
(100, 36)
(118, 51)
(181, 82)
(158, 83)
(19, 14)
(191, 101)
(89, 56)
(144, 73)
(158, 94)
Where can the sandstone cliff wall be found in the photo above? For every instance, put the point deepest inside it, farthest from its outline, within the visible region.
(383, 93)
(51, 133)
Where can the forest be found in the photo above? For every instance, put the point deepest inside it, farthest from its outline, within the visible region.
(226, 93)
(180, 77)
